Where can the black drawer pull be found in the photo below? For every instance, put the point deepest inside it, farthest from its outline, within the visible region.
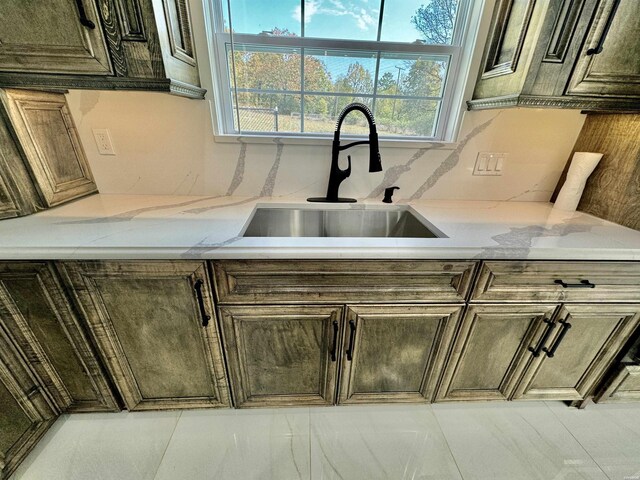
(83, 16)
(334, 350)
(352, 338)
(203, 313)
(552, 351)
(599, 47)
(582, 284)
(550, 326)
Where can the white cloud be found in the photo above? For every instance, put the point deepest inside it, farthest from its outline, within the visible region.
(310, 9)
(337, 8)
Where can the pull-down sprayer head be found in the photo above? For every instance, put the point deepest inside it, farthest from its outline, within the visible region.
(375, 162)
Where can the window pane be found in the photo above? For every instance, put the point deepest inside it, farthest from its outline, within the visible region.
(412, 75)
(265, 112)
(278, 18)
(406, 117)
(265, 68)
(339, 71)
(321, 114)
(429, 21)
(347, 19)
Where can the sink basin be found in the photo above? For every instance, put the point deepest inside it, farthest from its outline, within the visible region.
(392, 222)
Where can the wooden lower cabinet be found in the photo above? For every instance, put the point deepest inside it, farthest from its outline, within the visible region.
(293, 355)
(154, 325)
(535, 352)
(43, 325)
(395, 353)
(26, 411)
(491, 350)
(282, 355)
(623, 387)
(584, 343)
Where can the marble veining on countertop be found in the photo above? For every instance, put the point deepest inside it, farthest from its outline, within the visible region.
(164, 227)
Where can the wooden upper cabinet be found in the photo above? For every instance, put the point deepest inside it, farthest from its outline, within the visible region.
(395, 353)
(279, 356)
(541, 54)
(49, 37)
(99, 44)
(492, 348)
(155, 327)
(26, 411)
(49, 147)
(609, 62)
(584, 343)
(8, 205)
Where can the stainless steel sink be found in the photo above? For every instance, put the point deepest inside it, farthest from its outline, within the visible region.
(393, 222)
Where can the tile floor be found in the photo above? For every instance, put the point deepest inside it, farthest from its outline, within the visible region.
(545, 441)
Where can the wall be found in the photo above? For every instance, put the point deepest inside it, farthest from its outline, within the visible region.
(165, 145)
(613, 189)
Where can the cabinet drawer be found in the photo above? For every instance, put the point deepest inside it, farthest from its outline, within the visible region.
(625, 386)
(303, 281)
(558, 282)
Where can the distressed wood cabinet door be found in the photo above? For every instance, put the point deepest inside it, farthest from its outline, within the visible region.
(614, 67)
(623, 387)
(583, 345)
(395, 353)
(25, 410)
(492, 349)
(50, 143)
(42, 324)
(48, 37)
(284, 355)
(148, 321)
(8, 206)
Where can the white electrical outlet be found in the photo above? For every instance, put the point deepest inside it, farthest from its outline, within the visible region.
(103, 141)
(489, 163)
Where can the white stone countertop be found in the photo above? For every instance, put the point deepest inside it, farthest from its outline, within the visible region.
(174, 227)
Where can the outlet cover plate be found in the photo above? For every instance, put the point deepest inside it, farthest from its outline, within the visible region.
(490, 163)
(103, 141)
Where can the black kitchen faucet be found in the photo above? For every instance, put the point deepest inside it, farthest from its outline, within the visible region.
(337, 175)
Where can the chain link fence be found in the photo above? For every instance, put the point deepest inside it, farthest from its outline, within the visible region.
(258, 119)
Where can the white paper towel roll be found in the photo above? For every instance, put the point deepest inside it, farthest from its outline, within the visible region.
(582, 165)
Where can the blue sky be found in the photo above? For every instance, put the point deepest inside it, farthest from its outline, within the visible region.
(352, 19)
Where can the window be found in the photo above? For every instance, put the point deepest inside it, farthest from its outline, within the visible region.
(288, 67)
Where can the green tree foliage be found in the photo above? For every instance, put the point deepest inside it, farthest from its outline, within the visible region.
(356, 80)
(270, 72)
(435, 21)
(387, 83)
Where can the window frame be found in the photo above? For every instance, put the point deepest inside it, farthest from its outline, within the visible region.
(461, 52)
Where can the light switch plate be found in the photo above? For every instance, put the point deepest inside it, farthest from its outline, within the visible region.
(103, 141)
(490, 163)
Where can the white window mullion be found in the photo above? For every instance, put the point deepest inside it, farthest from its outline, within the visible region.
(227, 44)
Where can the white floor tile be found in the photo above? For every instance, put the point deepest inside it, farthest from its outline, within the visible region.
(239, 445)
(610, 433)
(379, 442)
(513, 441)
(101, 446)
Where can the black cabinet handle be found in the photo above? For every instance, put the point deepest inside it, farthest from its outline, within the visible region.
(598, 48)
(352, 338)
(582, 284)
(203, 313)
(552, 351)
(550, 326)
(83, 16)
(334, 350)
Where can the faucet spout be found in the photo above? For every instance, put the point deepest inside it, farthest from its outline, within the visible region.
(337, 175)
